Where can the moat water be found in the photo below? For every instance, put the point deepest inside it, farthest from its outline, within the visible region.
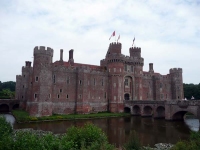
(150, 131)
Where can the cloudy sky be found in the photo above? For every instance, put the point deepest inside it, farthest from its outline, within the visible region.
(167, 31)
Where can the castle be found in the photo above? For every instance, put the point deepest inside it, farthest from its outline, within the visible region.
(66, 87)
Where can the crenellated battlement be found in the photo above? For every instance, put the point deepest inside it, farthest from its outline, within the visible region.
(135, 52)
(175, 70)
(18, 77)
(135, 49)
(43, 50)
(115, 48)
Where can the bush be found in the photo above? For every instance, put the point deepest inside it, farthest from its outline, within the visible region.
(5, 127)
(88, 137)
(193, 143)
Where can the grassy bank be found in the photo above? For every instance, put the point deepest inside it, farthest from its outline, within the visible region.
(23, 116)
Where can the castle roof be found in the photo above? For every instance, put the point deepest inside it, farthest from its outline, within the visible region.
(67, 64)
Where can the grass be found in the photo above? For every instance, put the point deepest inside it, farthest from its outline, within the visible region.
(23, 116)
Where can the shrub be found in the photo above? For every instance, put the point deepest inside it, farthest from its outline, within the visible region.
(87, 137)
(5, 127)
(193, 143)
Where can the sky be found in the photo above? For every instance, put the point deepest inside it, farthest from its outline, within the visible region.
(167, 31)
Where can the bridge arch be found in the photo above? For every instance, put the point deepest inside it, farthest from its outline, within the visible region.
(147, 111)
(179, 115)
(136, 110)
(4, 108)
(15, 106)
(160, 112)
(127, 110)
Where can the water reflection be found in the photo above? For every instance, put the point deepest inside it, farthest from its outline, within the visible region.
(150, 131)
(192, 122)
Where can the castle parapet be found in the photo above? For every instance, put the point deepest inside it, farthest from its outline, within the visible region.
(43, 50)
(115, 48)
(135, 51)
(175, 70)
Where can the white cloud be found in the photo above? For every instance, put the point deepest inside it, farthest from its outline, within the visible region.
(167, 31)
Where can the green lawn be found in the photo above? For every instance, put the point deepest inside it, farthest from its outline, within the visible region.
(23, 116)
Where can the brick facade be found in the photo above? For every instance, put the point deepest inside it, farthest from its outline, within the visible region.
(65, 87)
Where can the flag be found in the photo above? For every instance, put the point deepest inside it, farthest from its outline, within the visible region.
(133, 41)
(118, 38)
(113, 34)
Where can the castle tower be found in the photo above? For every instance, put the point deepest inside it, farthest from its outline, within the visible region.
(23, 84)
(114, 48)
(176, 83)
(135, 54)
(40, 103)
(115, 67)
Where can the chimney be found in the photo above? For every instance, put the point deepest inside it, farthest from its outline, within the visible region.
(61, 55)
(27, 63)
(151, 67)
(71, 59)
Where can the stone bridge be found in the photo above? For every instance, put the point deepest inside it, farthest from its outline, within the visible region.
(7, 105)
(170, 110)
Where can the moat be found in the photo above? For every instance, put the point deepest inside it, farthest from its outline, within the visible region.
(149, 130)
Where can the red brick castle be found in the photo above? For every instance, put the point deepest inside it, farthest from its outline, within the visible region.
(65, 87)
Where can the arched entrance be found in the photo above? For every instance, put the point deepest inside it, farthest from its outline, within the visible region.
(4, 108)
(147, 111)
(126, 96)
(16, 106)
(160, 112)
(127, 110)
(136, 110)
(128, 88)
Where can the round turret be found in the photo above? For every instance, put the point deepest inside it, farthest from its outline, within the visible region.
(135, 52)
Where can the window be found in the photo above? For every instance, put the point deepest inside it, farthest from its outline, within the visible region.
(114, 84)
(160, 85)
(54, 79)
(126, 82)
(80, 96)
(60, 90)
(49, 95)
(125, 67)
(80, 82)
(131, 68)
(24, 76)
(102, 82)
(67, 96)
(35, 96)
(22, 97)
(68, 80)
(23, 86)
(58, 96)
(105, 95)
(36, 79)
